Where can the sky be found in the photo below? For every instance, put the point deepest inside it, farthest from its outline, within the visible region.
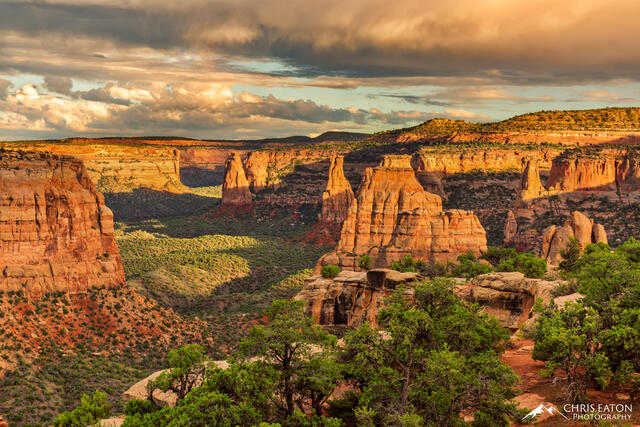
(237, 69)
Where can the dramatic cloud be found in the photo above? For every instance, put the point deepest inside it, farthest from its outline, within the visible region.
(287, 65)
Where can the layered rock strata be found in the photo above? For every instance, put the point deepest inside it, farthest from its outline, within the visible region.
(117, 167)
(393, 216)
(56, 233)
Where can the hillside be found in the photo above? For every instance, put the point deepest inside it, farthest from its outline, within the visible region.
(603, 119)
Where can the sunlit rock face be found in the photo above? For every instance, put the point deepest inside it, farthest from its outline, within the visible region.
(393, 216)
(56, 233)
(235, 186)
(338, 195)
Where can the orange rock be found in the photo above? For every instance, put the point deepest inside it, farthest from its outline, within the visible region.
(235, 187)
(338, 196)
(628, 174)
(393, 216)
(530, 185)
(510, 228)
(578, 172)
(556, 239)
(119, 168)
(599, 234)
(56, 234)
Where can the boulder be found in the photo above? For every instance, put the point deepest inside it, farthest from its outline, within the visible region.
(582, 228)
(599, 234)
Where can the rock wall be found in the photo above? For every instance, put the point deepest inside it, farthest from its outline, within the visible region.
(117, 167)
(495, 159)
(204, 166)
(235, 186)
(393, 216)
(338, 195)
(595, 170)
(56, 234)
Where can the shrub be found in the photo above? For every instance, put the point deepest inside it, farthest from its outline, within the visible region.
(91, 410)
(330, 271)
(496, 255)
(364, 262)
(408, 264)
(470, 267)
(137, 406)
(527, 264)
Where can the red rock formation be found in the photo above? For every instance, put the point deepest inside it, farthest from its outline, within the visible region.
(573, 172)
(495, 159)
(118, 168)
(56, 233)
(556, 239)
(235, 187)
(530, 185)
(338, 196)
(394, 216)
(204, 166)
(628, 174)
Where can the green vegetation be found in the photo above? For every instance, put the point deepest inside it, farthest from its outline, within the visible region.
(91, 410)
(364, 262)
(330, 271)
(468, 266)
(595, 342)
(526, 263)
(186, 367)
(408, 264)
(439, 356)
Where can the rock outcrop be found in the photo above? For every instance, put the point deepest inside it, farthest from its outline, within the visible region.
(556, 239)
(628, 173)
(56, 233)
(508, 296)
(530, 184)
(573, 172)
(495, 159)
(235, 186)
(393, 216)
(352, 297)
(118, 167)
(338, 196)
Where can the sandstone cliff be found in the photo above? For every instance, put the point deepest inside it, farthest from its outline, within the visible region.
(204, 166)
(56, 233)
(338, 196)
(116, 167)
(235, 186)
(449, 160)
(393, 216)
(555, 239)
(530, 184)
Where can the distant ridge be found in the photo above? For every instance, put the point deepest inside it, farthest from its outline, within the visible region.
(601, 119)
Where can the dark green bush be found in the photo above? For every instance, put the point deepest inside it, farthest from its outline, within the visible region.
(408, 264)
(330, 271)
(469, 266)
(137, 406)
(364, 262)
(496, 255)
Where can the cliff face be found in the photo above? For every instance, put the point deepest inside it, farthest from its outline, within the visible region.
(393, 216)
(119, 168)
(495, 159)
(56, 233)
(204, 166)
(530, 184)
(265, 168)
(235, 187)
(583, 173)
(338, 196)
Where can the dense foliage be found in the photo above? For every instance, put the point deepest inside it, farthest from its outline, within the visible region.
(330, 271)
(438, 357)
(595, 341)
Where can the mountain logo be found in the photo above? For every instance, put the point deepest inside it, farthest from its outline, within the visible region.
(542, 409)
